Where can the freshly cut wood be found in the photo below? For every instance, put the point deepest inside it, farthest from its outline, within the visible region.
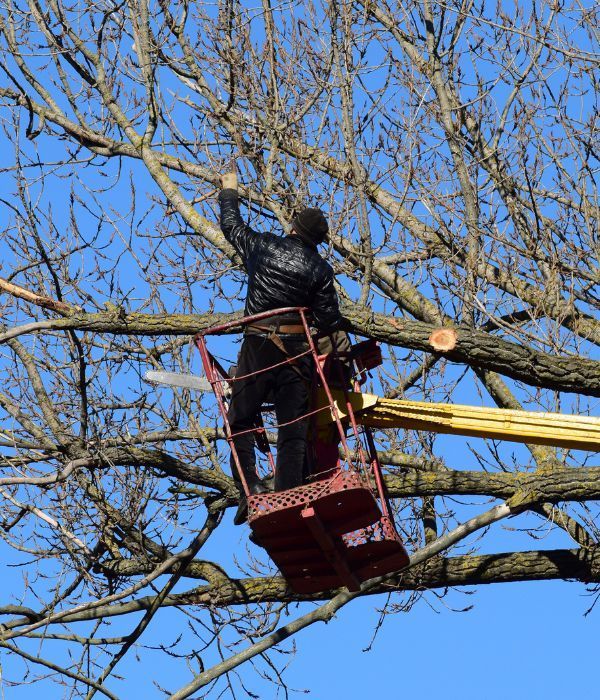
(443, 339)
(37, 299)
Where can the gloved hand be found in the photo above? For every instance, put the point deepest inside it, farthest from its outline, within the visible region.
(229, 181)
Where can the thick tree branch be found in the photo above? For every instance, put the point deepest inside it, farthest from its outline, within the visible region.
(473, 347)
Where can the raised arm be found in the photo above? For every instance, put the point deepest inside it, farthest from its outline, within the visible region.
(239, 234)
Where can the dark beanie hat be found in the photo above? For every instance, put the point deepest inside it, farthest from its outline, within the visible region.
(311, 224)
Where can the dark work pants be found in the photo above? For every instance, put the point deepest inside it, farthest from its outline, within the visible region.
(289, 388)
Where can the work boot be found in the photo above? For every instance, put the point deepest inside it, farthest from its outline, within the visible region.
(241, 514)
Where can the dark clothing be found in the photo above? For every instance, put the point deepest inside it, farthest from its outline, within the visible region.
(290, 389)
(282, 271)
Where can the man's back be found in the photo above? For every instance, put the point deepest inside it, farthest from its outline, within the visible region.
(282, 271)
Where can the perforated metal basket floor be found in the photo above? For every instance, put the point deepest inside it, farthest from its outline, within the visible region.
(327, 534)
(375, 550)
(345, 503)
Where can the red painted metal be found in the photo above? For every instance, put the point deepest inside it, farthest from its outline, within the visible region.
(334, 531)
(247, 320)
(330, 548)
(324, 383)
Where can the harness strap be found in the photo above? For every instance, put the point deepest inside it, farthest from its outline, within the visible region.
(272, 333)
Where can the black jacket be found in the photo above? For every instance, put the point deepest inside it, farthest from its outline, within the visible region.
(282, 271)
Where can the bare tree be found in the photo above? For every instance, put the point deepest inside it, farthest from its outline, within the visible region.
(455, 147)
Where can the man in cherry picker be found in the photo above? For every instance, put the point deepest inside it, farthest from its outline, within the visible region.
(283, 271)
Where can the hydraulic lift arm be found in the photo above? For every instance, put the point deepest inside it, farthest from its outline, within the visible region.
(554, 429)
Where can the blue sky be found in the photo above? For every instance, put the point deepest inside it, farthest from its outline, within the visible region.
(527, 640)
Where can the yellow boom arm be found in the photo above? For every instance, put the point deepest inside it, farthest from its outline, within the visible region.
(555, 429)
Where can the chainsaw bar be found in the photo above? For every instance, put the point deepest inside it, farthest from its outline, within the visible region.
(184, 381)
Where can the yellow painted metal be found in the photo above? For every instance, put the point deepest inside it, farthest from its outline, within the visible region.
(555, 429)
(360, 402)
